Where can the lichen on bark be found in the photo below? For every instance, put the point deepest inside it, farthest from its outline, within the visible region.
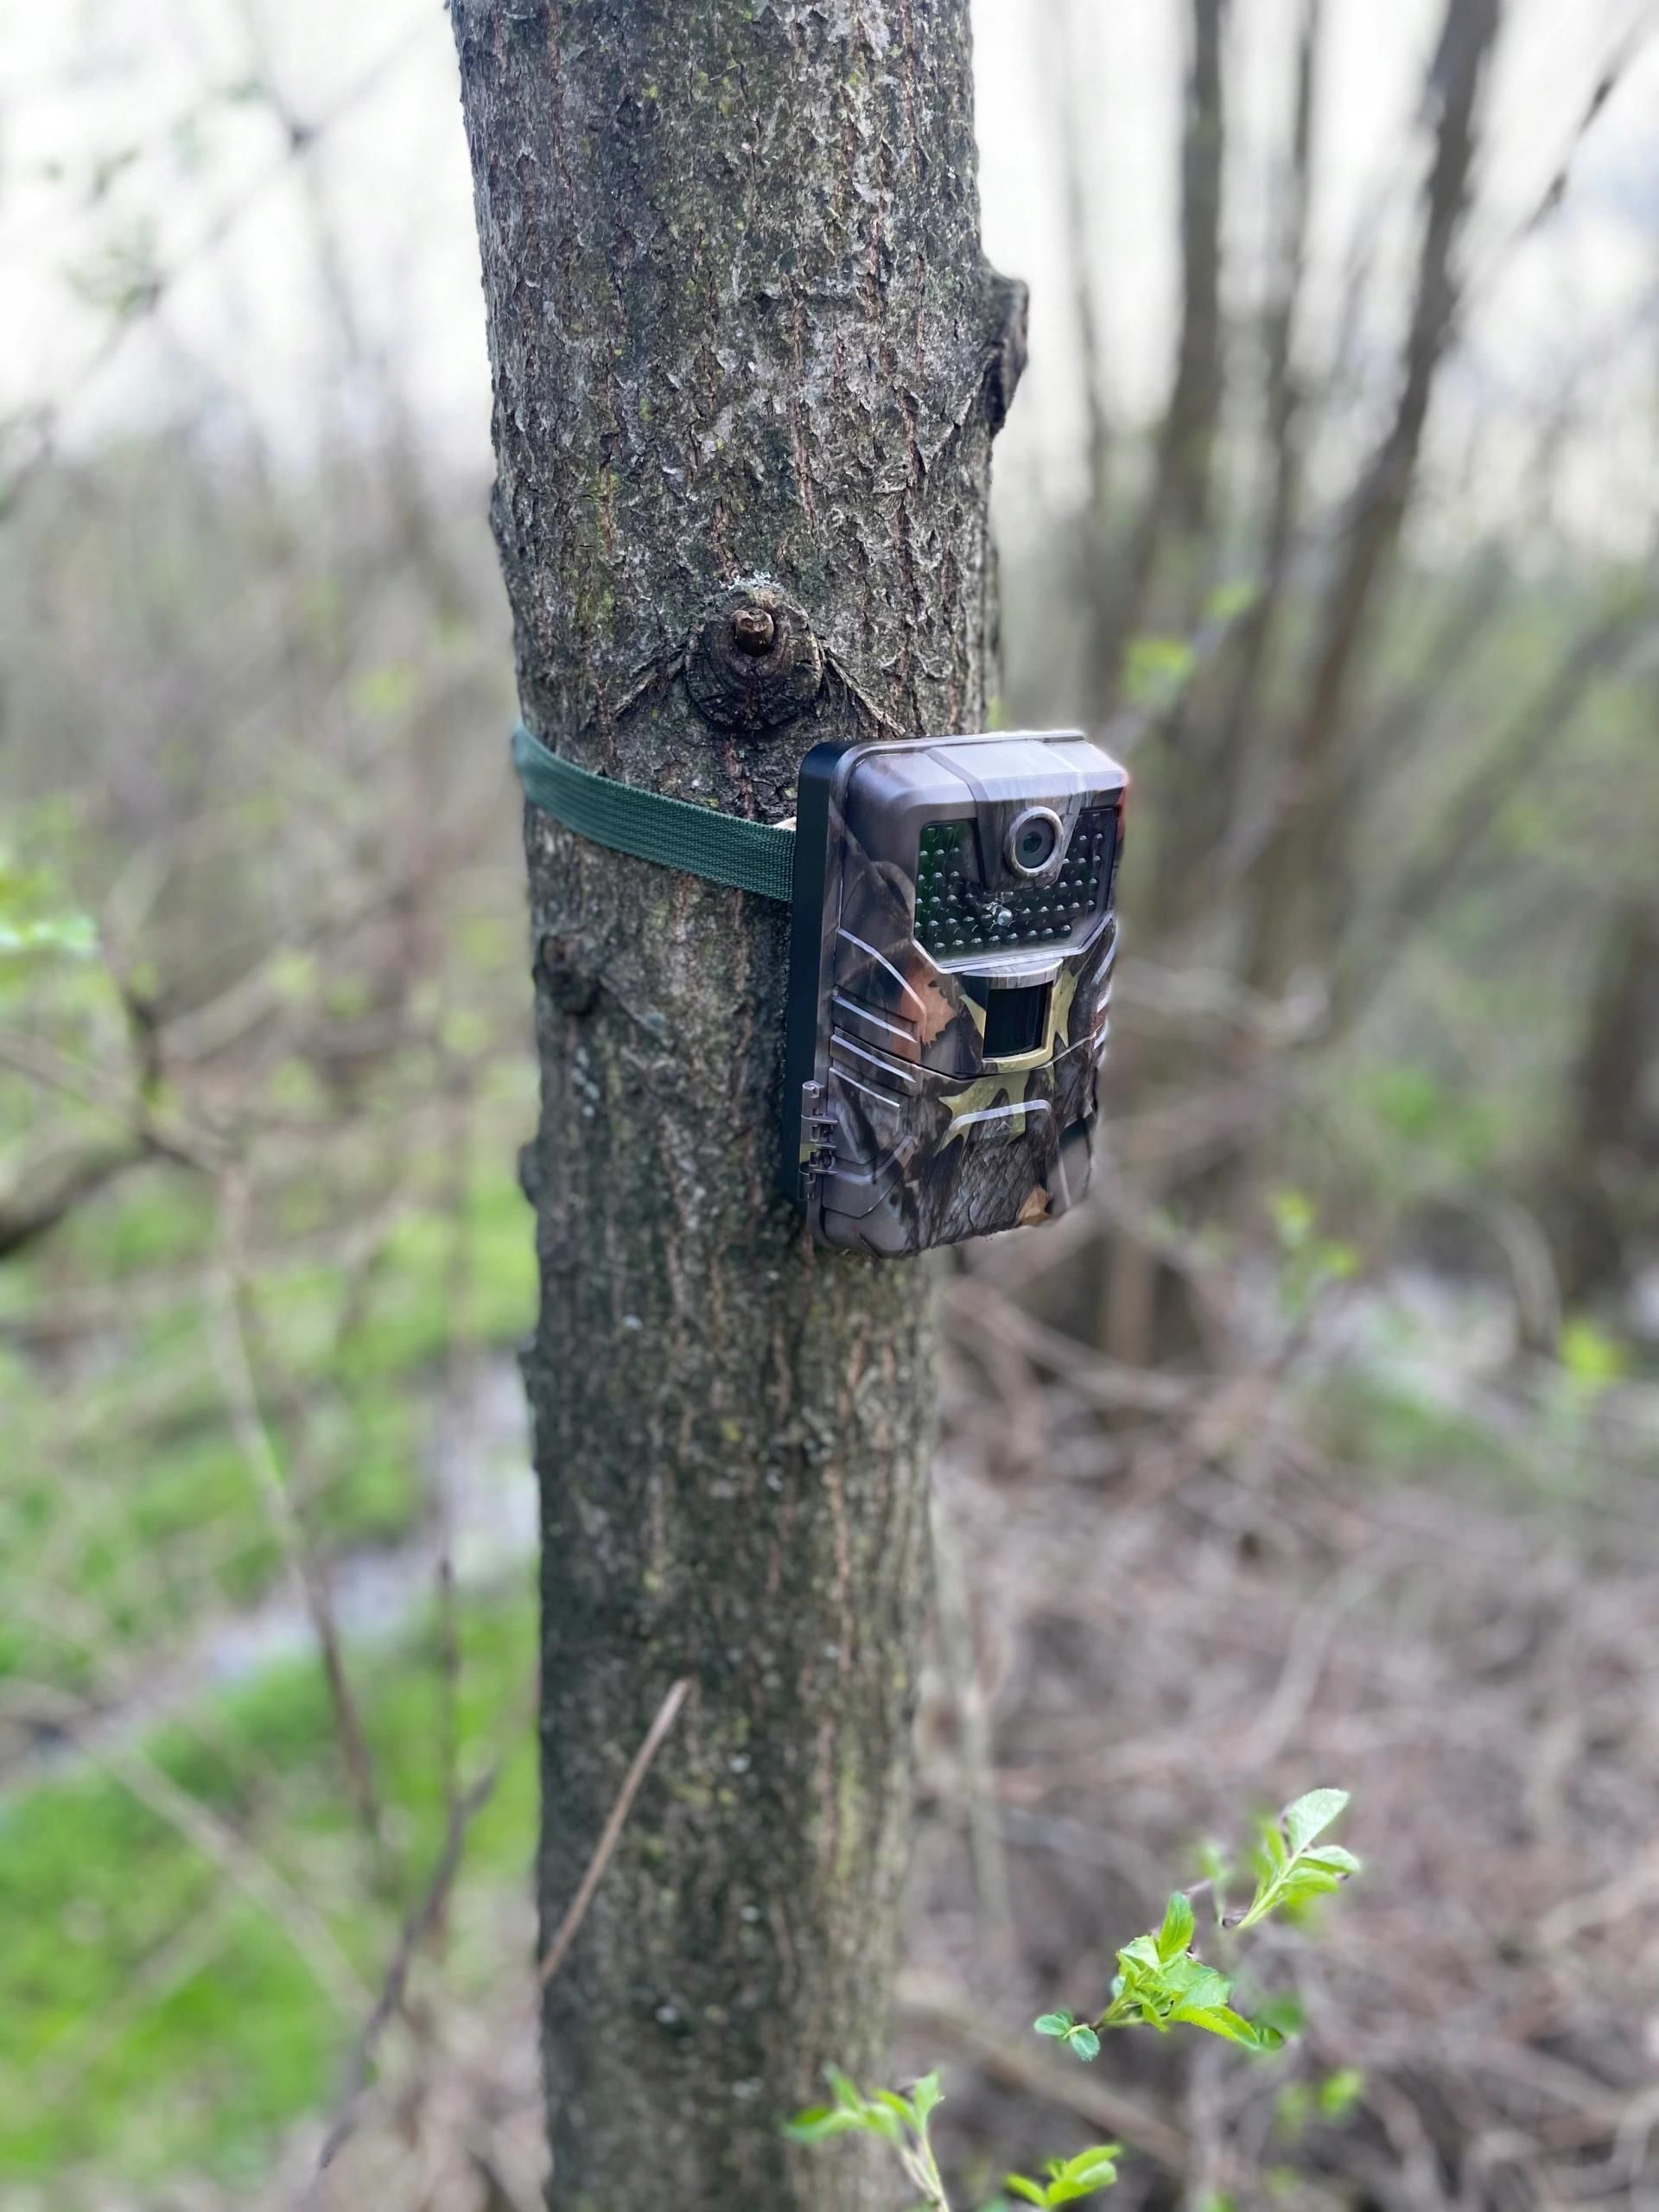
(741, 330)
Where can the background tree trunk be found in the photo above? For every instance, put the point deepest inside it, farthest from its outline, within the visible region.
(740, 328)
(1298, 884)
(1602, 1202)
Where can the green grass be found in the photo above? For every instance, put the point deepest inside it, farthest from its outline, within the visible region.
(153, 2018)
(1398, 1433)
(158, 2015)
(123, 1489)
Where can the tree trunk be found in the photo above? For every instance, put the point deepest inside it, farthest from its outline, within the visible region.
(741, 330)
(1602, 1200)
(1299, 886)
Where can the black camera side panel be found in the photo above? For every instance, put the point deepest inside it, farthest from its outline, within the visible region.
(814, 791)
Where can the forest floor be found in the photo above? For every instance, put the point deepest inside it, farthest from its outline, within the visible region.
(1381, 1551)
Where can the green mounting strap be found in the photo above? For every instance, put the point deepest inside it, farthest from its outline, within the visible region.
(749, 855)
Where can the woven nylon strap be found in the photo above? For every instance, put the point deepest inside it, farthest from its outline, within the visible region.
(748, 856)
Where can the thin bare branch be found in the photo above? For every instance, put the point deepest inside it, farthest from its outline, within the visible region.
(265, 1464)
(426, 1915)
(27, 1216)
(565, 1933)
(298, 140)
(253, 1875)
(1594, 657)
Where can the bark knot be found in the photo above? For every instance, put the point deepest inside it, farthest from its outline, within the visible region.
(569, 973)
(751, 661)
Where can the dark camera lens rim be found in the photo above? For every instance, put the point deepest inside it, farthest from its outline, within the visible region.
(1021, 822)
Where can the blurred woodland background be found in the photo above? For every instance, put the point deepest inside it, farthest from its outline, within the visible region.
(1318, 1448)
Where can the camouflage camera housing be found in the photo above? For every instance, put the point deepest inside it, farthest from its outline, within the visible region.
(951, 965)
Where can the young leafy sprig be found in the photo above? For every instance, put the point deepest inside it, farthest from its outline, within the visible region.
(1069, 2178)
(1161, 1984)
(899, 2121)
(1289, 1870)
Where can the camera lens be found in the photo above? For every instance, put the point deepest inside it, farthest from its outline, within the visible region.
(1033, 841)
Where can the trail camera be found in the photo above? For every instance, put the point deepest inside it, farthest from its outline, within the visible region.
(950, 964)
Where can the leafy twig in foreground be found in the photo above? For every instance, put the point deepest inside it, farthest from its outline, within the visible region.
(1160, 1983)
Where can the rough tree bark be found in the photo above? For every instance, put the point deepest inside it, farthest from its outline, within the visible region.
(748, 362)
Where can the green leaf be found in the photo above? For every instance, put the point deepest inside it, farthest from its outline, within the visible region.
(1292, 1217)
(1156, 670)
(1332, 1857)
(1293, 2109)
(1592, 1358)
(1084, 2042)
(1141, 1957)
(888, 2116)
(75, 935)
(1282, 2012)
(925, 2097)
(1222, 2020)
(1301, 1885)
(819, 2122)
(1338, 1261)
(1310, 1816)
(1314, 1876)
(1032, 2191)
(1083, 2175)
(1053, 2024)
(847, 2095)
(1095, 2165)
(1229, 600)
(1340, 2093)
(1095, 2154)
(1176, 1934)
(1290, 1870)
(1190, 1982)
